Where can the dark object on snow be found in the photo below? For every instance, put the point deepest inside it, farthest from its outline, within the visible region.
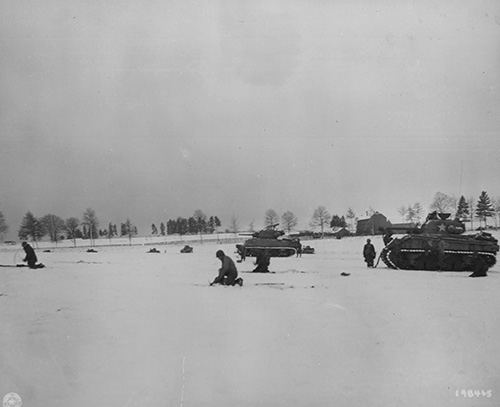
(262, 261)
(153, 250)
(228, 274)
(270, 240)
(369, 253)
(187, 249)
(91, 251)
(439, 244)
(36, 266)
(308, 250)
(47, 251)
(345, 274)
(481, 268)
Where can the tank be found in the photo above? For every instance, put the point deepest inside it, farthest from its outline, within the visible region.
(271, 241)
(439, 244)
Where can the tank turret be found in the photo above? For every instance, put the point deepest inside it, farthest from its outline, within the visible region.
(441, 224)
(269, 233)
(440, 244)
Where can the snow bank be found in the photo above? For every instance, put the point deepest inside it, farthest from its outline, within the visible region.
(123, 327)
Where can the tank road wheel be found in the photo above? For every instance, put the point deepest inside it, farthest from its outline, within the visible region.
(285, 252)
(403, 261)
(420, 261)
(460, 262)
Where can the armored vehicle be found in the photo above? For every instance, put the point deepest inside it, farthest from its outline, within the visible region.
(271, 241)
(439, 244)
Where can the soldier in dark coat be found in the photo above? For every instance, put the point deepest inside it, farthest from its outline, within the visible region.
(369, 253)
(30, 257)
(262, 261)
(228, 274)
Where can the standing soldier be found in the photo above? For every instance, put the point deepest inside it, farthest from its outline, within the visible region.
(369, 253)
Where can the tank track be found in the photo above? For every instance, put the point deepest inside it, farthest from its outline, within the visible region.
(273, 251)
(451, 260)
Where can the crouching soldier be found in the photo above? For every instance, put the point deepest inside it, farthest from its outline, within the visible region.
(30, 257)
(228, 274)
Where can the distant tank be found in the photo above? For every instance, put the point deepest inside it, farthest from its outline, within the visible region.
(439, 244)
(271, 241)
(187, 249)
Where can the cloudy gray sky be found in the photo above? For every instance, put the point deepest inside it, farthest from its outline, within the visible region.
(150, 110)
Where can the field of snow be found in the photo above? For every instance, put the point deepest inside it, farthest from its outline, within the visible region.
(125, 328)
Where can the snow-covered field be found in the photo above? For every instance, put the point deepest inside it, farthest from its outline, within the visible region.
(123, 328)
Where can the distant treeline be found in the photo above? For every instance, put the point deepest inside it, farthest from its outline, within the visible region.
(56, 228)
(198, 223)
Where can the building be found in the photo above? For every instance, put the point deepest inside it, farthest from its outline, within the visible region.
(374, 225)
(339, 232)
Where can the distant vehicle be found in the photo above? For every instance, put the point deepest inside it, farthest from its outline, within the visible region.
(11, 242)
(187, 249)
(269, 240)
(439, 244)
(308, 250)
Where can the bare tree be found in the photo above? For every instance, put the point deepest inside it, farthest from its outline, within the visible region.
(417, 212)
(496, 208)
(54, 225)
(350, 216)
(3, 225)
(233, 225)
(402, 211)
(321, 218)
(271, 217)
(72, 227)
(470, 202)
(89, 218)
(289, 221)
(411, 213)
(130, 230)
(443, 203)
(370, 212)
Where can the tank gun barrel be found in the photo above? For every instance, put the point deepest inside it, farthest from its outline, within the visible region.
(395, 229)
(274, 225)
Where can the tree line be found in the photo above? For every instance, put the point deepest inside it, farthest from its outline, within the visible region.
(464, 209)
(56, 228)
(321, 218)
(198, 223)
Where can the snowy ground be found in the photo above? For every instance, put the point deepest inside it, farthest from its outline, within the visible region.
(123, 328)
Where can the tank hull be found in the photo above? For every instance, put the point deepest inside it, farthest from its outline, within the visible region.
(273, 247)
(441, 252)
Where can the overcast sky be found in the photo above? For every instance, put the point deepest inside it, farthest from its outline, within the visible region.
(151, 110)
